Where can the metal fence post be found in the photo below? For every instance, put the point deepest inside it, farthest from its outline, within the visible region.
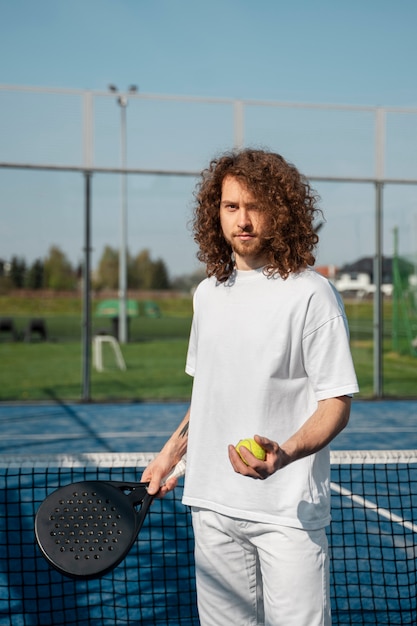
(86, 322)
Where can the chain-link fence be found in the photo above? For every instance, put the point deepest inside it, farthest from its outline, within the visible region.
(84, 170)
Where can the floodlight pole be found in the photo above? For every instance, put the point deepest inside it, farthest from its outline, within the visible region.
(122, 101)
(122, 327)
(378, 317)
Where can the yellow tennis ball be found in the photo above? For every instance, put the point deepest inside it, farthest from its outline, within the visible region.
(253, 447)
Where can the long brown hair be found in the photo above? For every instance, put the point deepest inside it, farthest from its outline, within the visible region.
(282, 193)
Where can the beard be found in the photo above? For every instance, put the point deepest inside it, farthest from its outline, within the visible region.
(252, 248)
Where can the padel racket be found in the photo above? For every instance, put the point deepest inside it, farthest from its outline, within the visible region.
(85, 529)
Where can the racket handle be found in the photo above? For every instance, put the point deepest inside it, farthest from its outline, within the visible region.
(177, 471)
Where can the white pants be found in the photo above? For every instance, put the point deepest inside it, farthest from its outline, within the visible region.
(255, 574)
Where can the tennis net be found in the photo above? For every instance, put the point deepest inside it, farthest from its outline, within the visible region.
(373, 544)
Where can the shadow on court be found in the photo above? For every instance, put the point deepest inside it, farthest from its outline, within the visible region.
(58, 427)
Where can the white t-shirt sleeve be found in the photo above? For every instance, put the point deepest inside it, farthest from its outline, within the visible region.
(327, 360)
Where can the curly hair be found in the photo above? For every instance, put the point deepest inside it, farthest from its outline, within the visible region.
(282, 193)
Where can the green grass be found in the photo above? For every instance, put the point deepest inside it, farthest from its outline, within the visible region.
(45, 371)
(48, 303)
(399, 371)
(155, 355)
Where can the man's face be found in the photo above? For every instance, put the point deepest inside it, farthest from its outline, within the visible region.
(243, 224)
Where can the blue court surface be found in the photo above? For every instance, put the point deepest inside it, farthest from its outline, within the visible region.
(372, 536)
(77, 428)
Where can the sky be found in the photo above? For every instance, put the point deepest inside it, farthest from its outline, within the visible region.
(362, 53)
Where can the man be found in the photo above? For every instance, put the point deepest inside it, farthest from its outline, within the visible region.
(269, 353)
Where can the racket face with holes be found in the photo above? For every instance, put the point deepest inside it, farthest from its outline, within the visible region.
(86, 529)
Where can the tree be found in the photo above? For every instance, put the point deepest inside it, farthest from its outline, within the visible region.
(17, 272)
(58, 271)
(160, 279)
(34, 276)
(108, 269)
(142, 270)
(148, 274)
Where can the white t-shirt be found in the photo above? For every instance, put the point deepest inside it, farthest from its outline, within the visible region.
(263, 351)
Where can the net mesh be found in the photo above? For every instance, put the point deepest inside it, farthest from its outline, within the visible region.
(373, 544)
(373, 537)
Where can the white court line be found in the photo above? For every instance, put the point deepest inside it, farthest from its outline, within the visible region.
(373, 507)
